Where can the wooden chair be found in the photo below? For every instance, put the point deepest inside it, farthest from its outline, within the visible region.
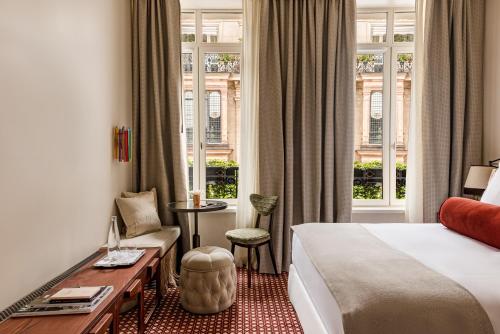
(253, 238)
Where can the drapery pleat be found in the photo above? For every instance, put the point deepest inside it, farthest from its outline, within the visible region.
(159, 159)
(306, 114)
(452, 98)
(249, 132)
(414, 177)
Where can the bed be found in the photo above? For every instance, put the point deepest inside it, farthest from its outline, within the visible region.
(473, 265)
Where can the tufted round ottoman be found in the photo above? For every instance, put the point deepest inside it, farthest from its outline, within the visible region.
(208, 280)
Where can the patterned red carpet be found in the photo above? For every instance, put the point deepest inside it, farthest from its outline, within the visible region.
(264, 308)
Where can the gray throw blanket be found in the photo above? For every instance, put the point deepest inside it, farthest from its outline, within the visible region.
(381, 290)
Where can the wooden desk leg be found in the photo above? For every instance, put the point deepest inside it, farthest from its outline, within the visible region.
(115, 328)
(158, 284)
(103, 325)
(136, 290)
(141, 318)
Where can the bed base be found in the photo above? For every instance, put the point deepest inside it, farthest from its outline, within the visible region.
(306, 311)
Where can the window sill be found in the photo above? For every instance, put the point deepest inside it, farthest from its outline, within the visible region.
(379, 209)
(231, 208)
(365, 209)
(360, 209)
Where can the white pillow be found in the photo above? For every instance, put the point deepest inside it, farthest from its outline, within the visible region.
(492, 193)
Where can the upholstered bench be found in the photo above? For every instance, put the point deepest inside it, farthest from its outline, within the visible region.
(165, 240)
(208, 280)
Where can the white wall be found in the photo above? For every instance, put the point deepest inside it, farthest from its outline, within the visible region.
(213, 227)
(492, 82)
(64, 83)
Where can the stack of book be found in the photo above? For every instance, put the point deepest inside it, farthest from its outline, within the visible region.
(66, 301)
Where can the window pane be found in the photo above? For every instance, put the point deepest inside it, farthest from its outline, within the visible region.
(376, 109)
(404, 65)
(188, 27)
(371, 27)
(188, 108)
(222, 27)
(368, 172)
(213, 117)
(222, 123)
(404, 27)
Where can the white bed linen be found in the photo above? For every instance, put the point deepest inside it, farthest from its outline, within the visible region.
(470, 263)
(306, 311)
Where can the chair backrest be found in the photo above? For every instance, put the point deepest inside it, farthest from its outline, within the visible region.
(265, 206)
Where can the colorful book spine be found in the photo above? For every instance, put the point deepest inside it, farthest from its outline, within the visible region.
(125, 147)
(122, 144)
(129, 144)
(115, 143)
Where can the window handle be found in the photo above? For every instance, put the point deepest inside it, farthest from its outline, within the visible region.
(201, 145)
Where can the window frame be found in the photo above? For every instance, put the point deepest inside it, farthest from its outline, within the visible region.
(198, 48)
(390, 50)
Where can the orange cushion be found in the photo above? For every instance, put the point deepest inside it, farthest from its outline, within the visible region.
(480, 221)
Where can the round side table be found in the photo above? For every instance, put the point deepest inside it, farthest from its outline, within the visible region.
(188, 206)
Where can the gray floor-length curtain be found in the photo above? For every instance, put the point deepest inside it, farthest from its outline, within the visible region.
(452, 98)
(159, 159)
(306, 114)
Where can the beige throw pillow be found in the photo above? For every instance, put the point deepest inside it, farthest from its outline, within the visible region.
(139, 214)
(129, 194)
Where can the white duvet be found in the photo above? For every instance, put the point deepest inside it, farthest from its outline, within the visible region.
(470, 263)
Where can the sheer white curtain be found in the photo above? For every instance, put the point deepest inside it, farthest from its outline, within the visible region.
(249, 145)
(414, 179)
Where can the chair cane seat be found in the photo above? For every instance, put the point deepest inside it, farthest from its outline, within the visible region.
(248, 236)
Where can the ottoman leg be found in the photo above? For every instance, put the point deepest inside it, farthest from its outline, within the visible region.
(249, 266)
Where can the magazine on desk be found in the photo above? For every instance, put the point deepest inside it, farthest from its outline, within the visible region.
(43, 306)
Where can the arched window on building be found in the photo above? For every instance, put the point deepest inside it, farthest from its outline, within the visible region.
(213, 108)
(376, 119)
(188, 115)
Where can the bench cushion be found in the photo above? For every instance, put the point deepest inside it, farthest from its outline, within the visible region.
(248, 235)
(163, 239)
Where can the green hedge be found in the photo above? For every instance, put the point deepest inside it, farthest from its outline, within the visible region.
(375, 191)
(221, 191)
(359, 191)
(216, 163)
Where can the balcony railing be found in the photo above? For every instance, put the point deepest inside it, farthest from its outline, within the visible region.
(214, 62)
(222, 63)
(368, 183)
(222, 182)
(405, 66)
(374, 67)
(369, 67)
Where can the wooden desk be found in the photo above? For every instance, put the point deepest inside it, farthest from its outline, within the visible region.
(121, 279)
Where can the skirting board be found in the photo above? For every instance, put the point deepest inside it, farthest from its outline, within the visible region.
(306, 311)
